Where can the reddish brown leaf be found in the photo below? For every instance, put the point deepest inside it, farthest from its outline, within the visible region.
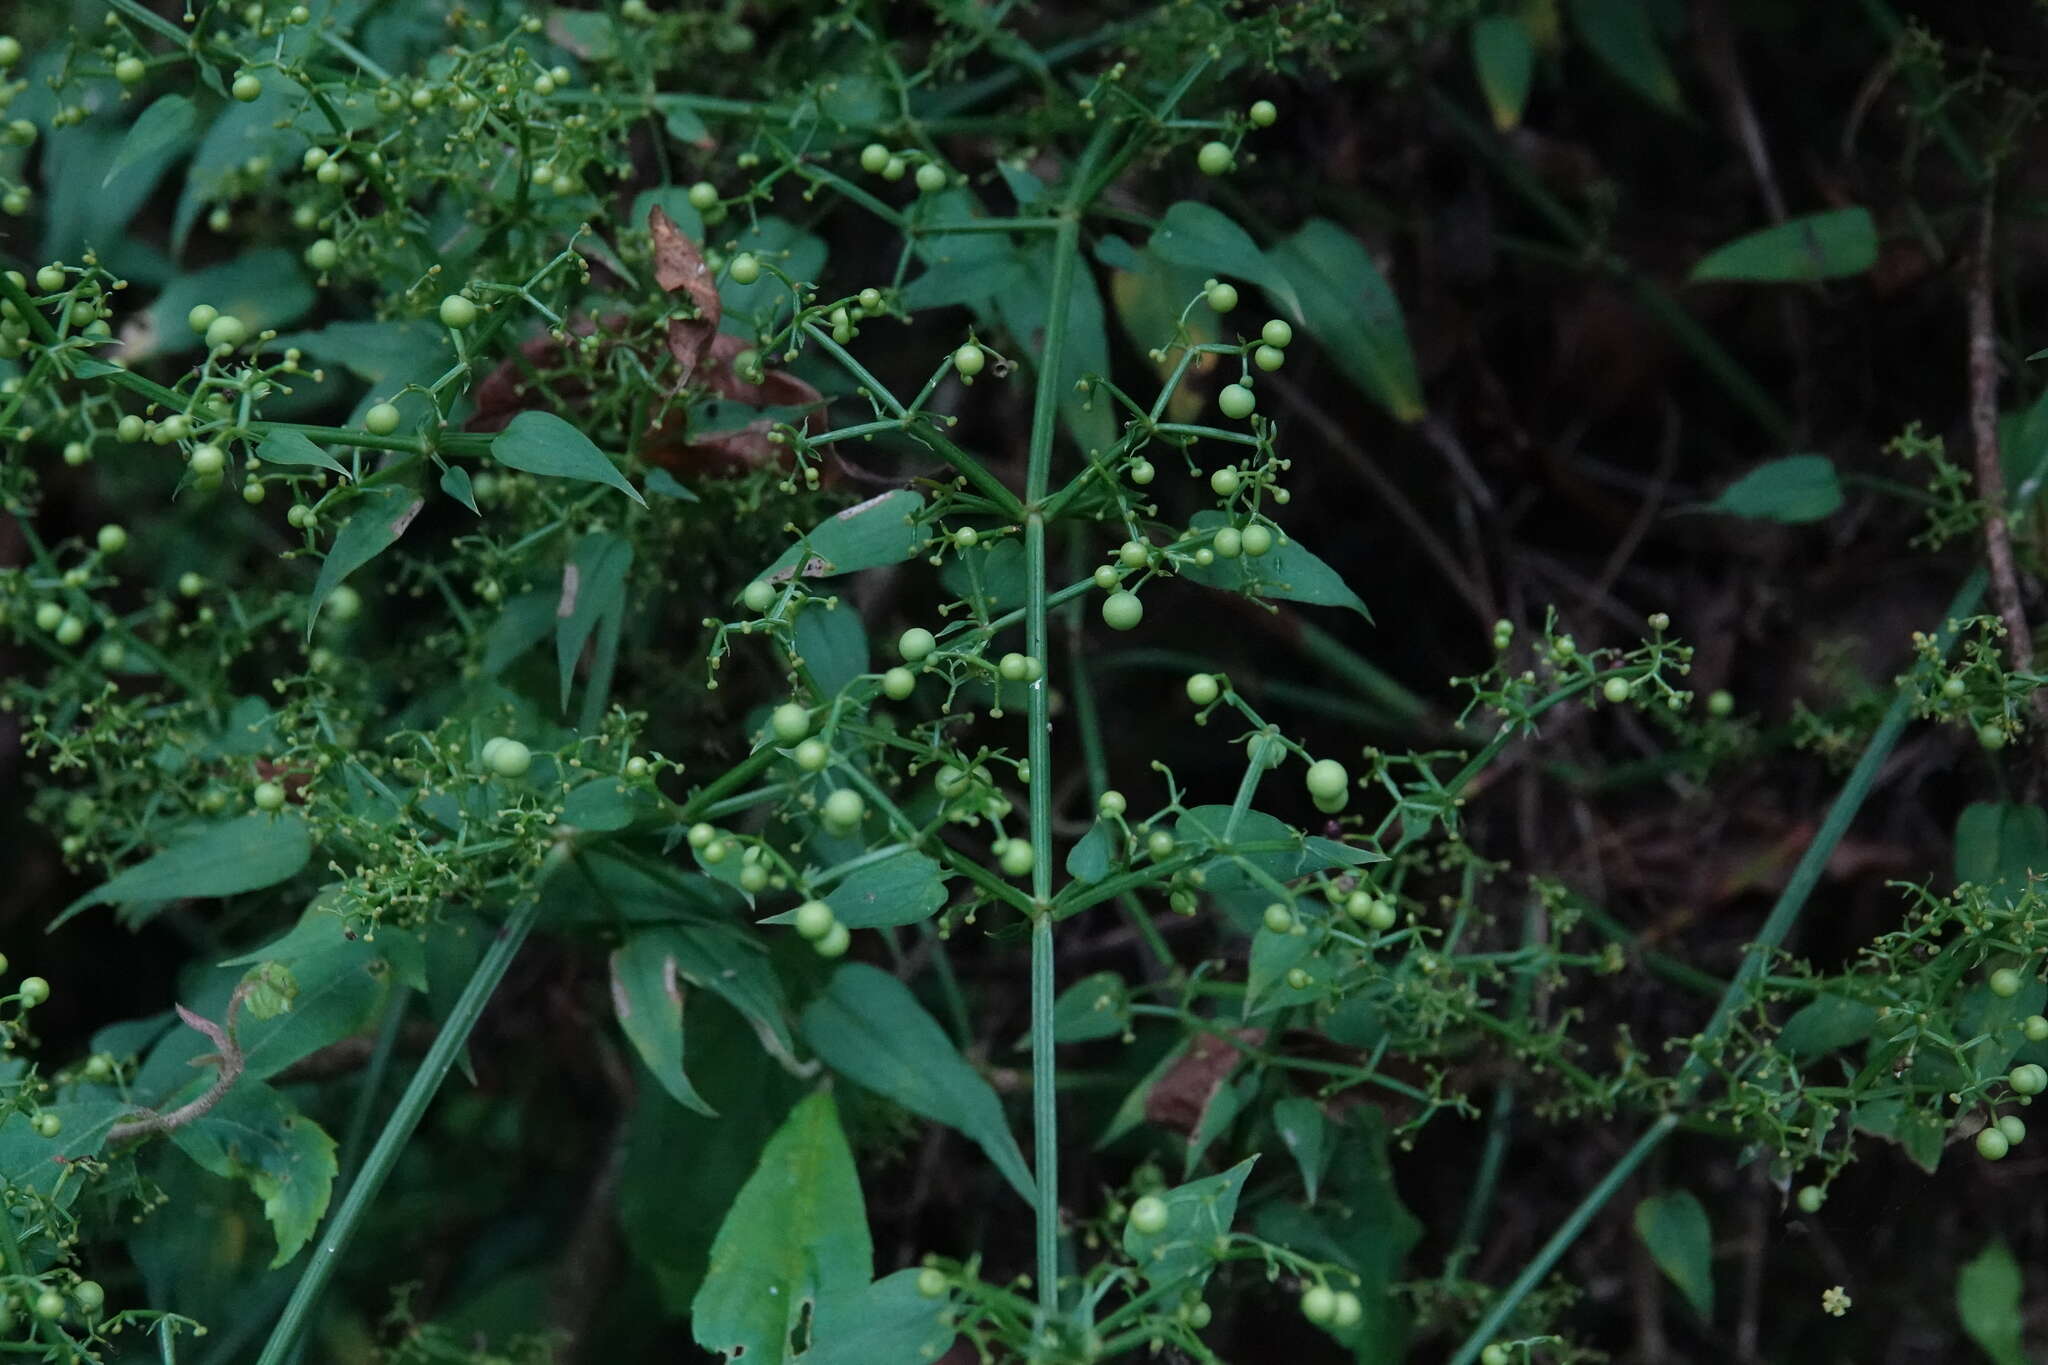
(1180, 1097)
(679, 265)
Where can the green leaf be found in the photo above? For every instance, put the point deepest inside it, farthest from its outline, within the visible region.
(1818, 246)
(1335, 853)
(257, 1135)
(647, 996)
(1674, 1227)
(903, 889)
(1088, 859)
(867, 535)
(869, 1027)
(1347, 305)
(1503, 58)
(683, 125)
(1195, 235)
(799, 254)
(1988, 1301)
(158, 133)
(542, 443)
(1198, 1219)
(1362, 1227)
(660, 481)
(455, 483)
(1824, 1024)
(888, 1321)
(381, 517)
(593, 593)
(1025, 313)
(607, 803)
(990, 578)
(1096, 1006)
(523, 622)
(1619, 34)
(1795, 489)
(1999, 843)
(795, 1238)
(669, 1210)
(1287, 572)
(1273, 957)
(264, 288)
(290, 448)
(227, 859)
(1306, 1134)
(833, 644)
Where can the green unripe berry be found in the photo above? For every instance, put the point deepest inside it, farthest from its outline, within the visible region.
(835, 942)
(1111, 803)
(226, 332)
(1159, 845)
(1720, 704)
(790, 721)
(1122, 611)
(916, 644)
(112, 539)
(1494, 1354)
(758, 596)
(893, 168)
(1257, 539)
(268, 796)
(33, 991)
(814, 919)
(2035, 1028)
(89, 1295)
(2029, 1078)
(49, 616)
(1203, 688)
(638, 767)
(1012, 667)
(969, 359)
(2006, 982)
(1149, 1215)
(700, 836)
(1225, 482)
(1236, 402)
(1141, 472)
(930, 178)
(1991, 737)
(457, 312)
(1319, 1304)
(1213, 159)
(745, 268)
(70, 630)
(1350, 1311)
(1134, 554)
(1017, 857)
(51, 279)
(873, 157)
(813, 755)
(130, 70)
(1222, 297)
(1228, 542)
(1263, 114)
(381, 420)
(898, 684)
(510, 759)
(843, 811)
(49, 1303)
(1277, 333)
(1327, 779)
(190, 584)
(1279, 919)
(10, 51)
(1992, 1145)
(1810, 1198)
(1299, 979)
(931, 1283)
(2014, 1127)
(1954, 688)
(703, 195)
(248, 87)
(130, 429)
(1269, 358)
(202, 316)
(1381, 915)
(1616, 690)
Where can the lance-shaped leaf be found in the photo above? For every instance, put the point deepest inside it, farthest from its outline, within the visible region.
(379, 520)
(257, 1135)
(542, 443)
(1818, 246)
(593, 594)
(869, 1027)
(647, 996)
(880, 531)
(248, 854)
(1681, 1241)
(795, 1240)
(1198, 1218)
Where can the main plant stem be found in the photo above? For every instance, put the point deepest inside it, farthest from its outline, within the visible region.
(1037, 477)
